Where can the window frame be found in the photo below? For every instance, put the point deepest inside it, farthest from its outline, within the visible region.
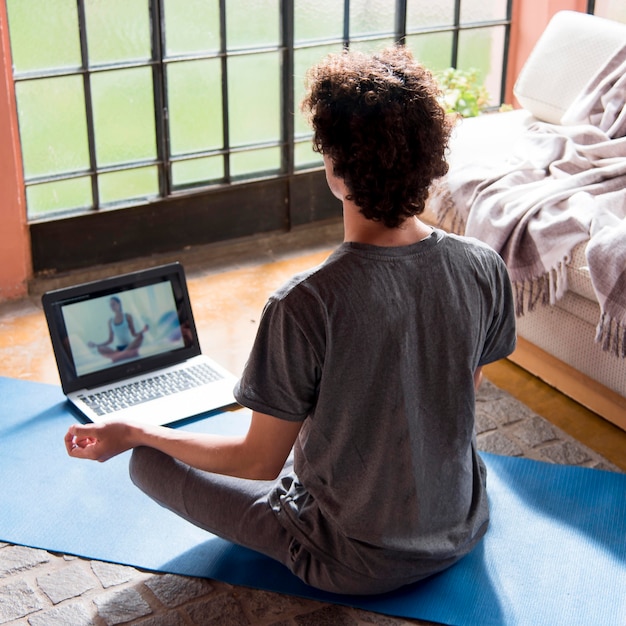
(231, 208)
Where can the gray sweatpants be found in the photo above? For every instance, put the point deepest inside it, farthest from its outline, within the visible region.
(238, 510)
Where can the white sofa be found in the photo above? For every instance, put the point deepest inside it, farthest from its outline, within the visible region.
(556, 341)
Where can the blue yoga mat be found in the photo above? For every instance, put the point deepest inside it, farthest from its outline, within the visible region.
(555, 552)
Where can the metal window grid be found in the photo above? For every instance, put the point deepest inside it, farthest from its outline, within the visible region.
(286, 49)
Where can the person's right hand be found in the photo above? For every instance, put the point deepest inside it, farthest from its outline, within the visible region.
(98, 442)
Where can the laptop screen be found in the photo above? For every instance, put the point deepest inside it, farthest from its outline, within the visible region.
(108, 330)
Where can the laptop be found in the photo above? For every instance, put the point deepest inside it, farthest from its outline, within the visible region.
(126, 348)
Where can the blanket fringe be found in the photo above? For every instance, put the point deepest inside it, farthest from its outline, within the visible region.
(446, 209)
(611, 334)
(546, 289)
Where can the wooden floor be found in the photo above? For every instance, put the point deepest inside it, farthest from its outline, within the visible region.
(228, 292)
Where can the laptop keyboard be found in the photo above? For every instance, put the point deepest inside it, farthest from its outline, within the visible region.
(166, 384)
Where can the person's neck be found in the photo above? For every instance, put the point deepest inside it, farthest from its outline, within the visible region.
(359, 229)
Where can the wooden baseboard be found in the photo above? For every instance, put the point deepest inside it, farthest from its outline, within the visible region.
(569, 381)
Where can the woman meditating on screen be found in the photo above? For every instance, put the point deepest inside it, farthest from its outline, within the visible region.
(122, 334)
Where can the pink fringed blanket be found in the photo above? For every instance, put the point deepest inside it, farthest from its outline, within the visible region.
(561, 186)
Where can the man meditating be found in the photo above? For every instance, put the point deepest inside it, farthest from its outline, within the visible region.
(365, 367)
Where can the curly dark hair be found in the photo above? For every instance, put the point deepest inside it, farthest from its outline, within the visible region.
(379, 119)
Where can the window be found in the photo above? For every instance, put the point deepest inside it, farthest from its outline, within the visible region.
(164, 107)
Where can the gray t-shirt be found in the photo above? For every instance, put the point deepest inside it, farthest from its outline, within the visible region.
(375, 351)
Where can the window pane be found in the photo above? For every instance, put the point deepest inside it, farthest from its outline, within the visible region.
(197, 171)
(317, 19)
(128, 185)
(255, 161)
(420, 14)
(53, 28)
(303, 60)
(191, 26)
(372, 46)
(481, 49)
(433, 50)
(371, 16)
(195, 106)
(58, 196)
(252, 23)
(117, 30)
(481, 10)
(53, 128)
(254, 98)
(304, 155)
(124, 116)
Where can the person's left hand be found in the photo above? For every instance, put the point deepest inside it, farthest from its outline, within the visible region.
(98, 442)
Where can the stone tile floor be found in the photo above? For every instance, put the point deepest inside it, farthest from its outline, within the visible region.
(38, 588)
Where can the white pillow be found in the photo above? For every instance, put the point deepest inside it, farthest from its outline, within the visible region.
(571, 50)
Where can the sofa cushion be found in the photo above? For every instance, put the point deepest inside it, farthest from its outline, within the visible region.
(565, 58)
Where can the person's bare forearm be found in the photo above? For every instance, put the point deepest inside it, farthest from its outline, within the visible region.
(211, 453)
(259, 454)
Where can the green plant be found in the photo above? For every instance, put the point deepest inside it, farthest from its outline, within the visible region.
(463, 92)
